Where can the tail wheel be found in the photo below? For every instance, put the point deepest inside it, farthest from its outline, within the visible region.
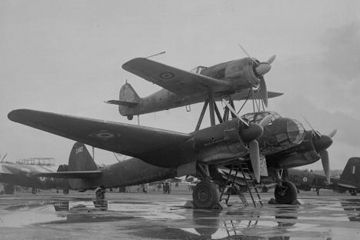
(352, 192)
(285, 193)
(205, 195)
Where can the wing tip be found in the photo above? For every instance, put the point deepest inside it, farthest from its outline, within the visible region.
(17, 114)
(127, 65)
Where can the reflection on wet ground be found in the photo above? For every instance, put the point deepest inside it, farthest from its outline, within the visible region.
(157, 216)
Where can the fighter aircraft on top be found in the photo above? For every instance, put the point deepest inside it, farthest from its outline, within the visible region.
(284, 143)
(235, 79)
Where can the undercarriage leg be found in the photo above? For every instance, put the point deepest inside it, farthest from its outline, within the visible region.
(205, 193)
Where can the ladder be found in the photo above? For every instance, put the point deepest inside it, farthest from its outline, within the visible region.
(250, 184)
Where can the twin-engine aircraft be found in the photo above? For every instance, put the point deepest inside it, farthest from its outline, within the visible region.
(283, 141)
(17, 174)
(235, 79)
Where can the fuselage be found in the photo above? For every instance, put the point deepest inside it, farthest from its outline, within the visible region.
(239, 74)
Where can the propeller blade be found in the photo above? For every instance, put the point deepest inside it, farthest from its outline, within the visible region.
(255, 158)
(271, 59)
(3, 158)
(326, 164)
(243, 49)
(263, 91)
(333, 133)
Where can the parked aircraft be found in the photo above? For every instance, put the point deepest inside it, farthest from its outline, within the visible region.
(284, 143)
(235, 79)
(15, 174)
(82, 173)
(349, 179)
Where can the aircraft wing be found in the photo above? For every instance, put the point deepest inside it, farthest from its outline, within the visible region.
(131, 140)
(71, 174)
(173, 79)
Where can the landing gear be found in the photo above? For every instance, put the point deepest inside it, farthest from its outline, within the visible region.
(33, 190)
(65, 191)
(285, 193)
(100, 193)
(100, 202)
(130, 117)
(206, 195)
(352, 192)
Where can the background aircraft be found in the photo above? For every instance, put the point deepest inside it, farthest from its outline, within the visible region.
(349, 179)
(284, 143)
(235, 79)
(21, 174)
(82, 173)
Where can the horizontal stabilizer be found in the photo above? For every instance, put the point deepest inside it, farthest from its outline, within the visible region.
(71, 174)
(122, 103)
(347, 186)
(245, 94)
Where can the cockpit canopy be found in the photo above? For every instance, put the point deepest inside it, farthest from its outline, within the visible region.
(259, 117)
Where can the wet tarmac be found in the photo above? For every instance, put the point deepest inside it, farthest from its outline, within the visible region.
(158, 216)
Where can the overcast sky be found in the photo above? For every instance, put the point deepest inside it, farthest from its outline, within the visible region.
(66, 57)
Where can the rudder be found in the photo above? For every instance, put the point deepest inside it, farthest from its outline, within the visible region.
(80, 159)
(351, 173)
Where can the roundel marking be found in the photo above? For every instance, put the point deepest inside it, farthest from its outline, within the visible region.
(103, 135)
(305, 179)
(167, 75)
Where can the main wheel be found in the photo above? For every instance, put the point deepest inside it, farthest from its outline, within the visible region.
(285, 193)
(100, 194)
(205, 195)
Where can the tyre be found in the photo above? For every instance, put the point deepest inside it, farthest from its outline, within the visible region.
(285, 193)
(205, 195)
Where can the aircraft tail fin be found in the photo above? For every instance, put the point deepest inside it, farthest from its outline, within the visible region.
(128, 98)
(351, 173)
(80, 159)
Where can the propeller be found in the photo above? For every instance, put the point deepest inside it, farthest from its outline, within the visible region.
(250, 134)
(332, 133)
(260, 69)
(255, 158)
(321, 143)
(3, 158)
(324, 155)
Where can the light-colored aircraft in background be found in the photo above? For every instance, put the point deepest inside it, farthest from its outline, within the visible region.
(235, 79)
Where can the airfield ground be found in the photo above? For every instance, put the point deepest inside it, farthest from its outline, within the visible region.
(162, 216)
